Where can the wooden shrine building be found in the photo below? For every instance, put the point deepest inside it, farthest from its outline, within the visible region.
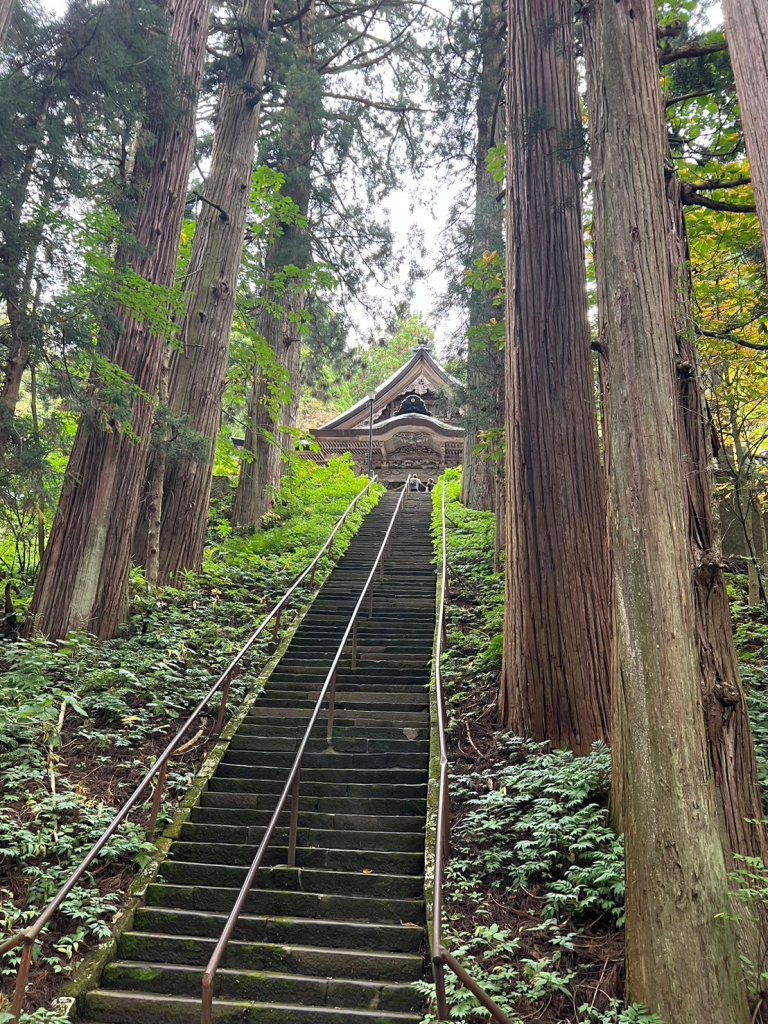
(408, 436)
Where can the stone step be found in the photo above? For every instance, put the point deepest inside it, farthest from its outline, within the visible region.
(345, 717)
(349, 859)
(323, 961)
(402, 842)
(325, 933)
(346, 883)
(345, 701)
(295, 729)
(258, 772)
(353, 790)
(178, 979)
(322, 804)
(369, 673)
(118, 1007)
(330, 760)
(284, 902)
(341, 744)
(312, 819)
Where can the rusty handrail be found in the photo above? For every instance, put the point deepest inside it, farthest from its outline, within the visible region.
(293, 782)
(28, 937)
(440, 955)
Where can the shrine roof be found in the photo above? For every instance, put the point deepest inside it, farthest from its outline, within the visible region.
(421, 363)
(400, 422)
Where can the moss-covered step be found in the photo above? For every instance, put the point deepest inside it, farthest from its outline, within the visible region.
(117, 1007)
(288, 903)
(393, 938)
(322, 962)
(347, 883)
(263, 986)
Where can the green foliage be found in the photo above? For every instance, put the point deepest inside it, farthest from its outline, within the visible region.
(475, 611)
(539, 819)
(40, 1016)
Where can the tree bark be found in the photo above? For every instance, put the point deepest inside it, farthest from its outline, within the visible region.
(260, 476)
(729, 736)
(557, 628)
(6, 15)
(485, 368)
(84, 575)
(259, 479)
(746, 23)
(198, 372)
(18, 302)
(155, 487)
(681, 950)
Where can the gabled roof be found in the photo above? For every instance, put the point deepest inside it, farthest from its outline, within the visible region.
(421, 363)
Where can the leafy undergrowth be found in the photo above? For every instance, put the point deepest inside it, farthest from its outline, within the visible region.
(82, 721)
(534, 886)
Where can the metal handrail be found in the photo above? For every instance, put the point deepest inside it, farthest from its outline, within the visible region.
(441, 957)
(293, 782)
(29, 936)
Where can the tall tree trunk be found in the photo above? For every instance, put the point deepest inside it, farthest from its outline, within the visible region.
(39, 474)
(155, 486)
(746, 23)
(6, 14)
(84, 575)
(729, 737)
(485, 366)
(681, 951)
(18, 304)
(557, 628)
(198, 372)
(260, 478)
(260, 475)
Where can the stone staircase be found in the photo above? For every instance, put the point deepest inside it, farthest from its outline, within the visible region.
(340, 938)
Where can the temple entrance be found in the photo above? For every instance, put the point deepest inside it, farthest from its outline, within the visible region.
(397, 426)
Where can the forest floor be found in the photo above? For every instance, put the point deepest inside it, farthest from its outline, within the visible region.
(535, 883)
(81, 721)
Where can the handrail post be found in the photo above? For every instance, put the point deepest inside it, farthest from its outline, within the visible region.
(223, 707)
(438, 973)
(354, 645)
(157, 798)
(331, 708)
(21, 979)
(294, 819)
(276, 629)
(206, 1012)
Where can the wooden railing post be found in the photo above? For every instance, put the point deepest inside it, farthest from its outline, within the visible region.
(223, 707)
(21, 979)
(354, 645)
(438, 973)
(157, 798)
